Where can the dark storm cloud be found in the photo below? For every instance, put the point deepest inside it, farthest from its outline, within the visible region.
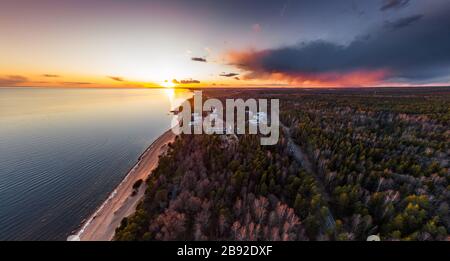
(284, 8)
(116, 78)
(229, 74)
(393, 4)
(12, 80)
(417, 52)
(356, 9)
(198, 59)
(51, 75)
(403, 22)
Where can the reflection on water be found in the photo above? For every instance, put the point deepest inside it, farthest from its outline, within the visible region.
(62, 151)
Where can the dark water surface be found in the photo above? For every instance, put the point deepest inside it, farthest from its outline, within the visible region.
(62, 151)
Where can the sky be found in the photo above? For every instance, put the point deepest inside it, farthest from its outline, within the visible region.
(234, 43)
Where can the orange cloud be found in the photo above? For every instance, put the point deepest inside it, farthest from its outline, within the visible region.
(329, 79)
(13, 80)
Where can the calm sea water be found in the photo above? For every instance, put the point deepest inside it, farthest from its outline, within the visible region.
(62, 151)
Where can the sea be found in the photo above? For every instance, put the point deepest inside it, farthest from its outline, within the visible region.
(64, 150)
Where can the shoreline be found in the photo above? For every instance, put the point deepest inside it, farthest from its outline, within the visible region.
(101, 225)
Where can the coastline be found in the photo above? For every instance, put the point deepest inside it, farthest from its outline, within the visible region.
(101, 225)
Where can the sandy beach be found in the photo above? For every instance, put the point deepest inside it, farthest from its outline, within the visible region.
(102, 224)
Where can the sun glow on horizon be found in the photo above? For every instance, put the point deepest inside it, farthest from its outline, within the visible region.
(168, 84)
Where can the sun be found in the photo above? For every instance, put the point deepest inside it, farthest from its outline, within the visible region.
(167, 84)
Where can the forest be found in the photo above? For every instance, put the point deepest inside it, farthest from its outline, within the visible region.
(349, 164)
